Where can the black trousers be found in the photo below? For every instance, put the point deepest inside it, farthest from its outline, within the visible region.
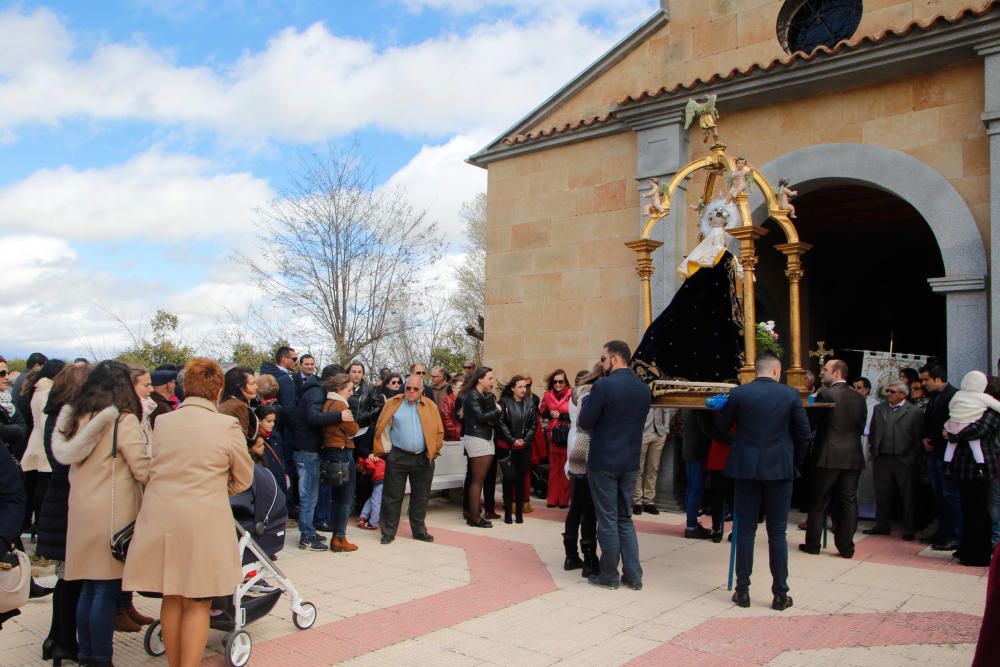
(400, 466)
(581, 516)
(720, 493)
(842, 487)
(515, 491)
(892, 474)
(490, 489)
(975, 548)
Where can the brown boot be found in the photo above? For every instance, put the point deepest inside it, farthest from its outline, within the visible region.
(527, 508)
(347, 545)
(339, 544)
(125, 624)
(138, 616)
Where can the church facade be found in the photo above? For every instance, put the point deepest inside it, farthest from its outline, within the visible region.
(885, 117)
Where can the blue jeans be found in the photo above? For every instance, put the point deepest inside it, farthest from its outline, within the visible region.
(947, 500)
(95, 618)
(612, 492)
(341, 497)
(323, 502)
(372, 510)
(695, 471)
(776, 496)
(307, 466)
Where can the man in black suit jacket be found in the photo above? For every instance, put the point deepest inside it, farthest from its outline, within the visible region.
(615, 414)
(836, 460)
(772, 434)
(895, 443)
(947, 499)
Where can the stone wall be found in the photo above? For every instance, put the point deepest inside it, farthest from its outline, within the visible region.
(706, 37)
(559, 281)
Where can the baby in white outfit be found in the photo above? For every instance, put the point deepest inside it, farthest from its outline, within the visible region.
(967, 406)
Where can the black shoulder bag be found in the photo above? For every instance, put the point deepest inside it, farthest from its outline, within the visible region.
(121, 540)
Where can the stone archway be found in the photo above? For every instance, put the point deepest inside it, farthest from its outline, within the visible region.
(940, 205)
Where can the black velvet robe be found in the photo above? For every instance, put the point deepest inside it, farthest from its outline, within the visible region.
(699, 335)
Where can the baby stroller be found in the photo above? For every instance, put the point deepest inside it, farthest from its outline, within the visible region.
(259, 516)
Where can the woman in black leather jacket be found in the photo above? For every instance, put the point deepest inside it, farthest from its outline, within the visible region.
(479, 415)
(516, 430)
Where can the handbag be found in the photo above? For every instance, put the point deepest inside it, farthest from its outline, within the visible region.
(560, 434)
(507, 472)
(334, 474)
(15, 580)
(121, 540)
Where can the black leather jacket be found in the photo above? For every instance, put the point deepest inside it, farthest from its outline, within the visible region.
(519, 420)
(479, 414)
(366, 404)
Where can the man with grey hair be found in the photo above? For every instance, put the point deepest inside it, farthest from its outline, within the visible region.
(895, 444)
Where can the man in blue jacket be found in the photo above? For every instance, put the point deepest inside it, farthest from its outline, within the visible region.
(772, 434)
(615, 413)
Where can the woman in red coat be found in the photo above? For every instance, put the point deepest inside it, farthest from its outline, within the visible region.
(554, 412)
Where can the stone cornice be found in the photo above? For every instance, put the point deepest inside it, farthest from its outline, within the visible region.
(891, 58)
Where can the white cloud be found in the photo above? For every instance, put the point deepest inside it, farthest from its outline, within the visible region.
(627, 12)
(153, 195)
(305, 85)
(439, 181)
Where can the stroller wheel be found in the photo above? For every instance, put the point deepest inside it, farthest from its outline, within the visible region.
(305, 620)
(153, 641)
(238, 647)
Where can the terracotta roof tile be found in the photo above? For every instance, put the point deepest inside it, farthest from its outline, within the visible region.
(786, 61)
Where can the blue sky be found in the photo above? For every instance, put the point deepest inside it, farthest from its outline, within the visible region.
(137, 137)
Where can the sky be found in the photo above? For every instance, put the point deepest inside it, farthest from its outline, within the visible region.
(140, 138)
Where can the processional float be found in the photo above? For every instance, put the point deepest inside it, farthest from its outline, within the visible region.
(740, 177)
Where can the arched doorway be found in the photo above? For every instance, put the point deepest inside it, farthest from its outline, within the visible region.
(962, 279)
(866, 278)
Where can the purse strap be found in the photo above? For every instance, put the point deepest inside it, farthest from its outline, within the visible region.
(114, 458)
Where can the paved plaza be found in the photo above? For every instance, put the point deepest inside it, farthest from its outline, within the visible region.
(501, 597)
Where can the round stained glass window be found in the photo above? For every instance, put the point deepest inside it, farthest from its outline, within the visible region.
(804, 25)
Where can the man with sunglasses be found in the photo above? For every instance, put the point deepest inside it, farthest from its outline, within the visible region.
(895, 442)
(409, 435)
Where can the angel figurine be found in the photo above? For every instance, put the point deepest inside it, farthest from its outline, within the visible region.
(784, 194)
(706, 114)
(655, 204)
(738, 179)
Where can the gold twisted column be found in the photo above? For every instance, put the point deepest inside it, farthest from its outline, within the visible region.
(748, 236)
(644, 267)
(796, 374)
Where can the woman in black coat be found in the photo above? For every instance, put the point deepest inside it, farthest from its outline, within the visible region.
(61, 642)
(516, 430)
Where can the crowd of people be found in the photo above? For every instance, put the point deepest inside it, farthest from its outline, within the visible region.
(100, 450)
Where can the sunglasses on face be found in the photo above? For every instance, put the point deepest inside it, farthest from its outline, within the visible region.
(559, 382)
(468, 368)
(3, 374)
(420, 372)
(413, 389)
(395, 382)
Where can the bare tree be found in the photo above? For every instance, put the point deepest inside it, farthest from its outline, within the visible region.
(335, 250)
(469, 300)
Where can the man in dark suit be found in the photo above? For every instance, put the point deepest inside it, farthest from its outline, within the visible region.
(772, 434)
(615, 414)
(895, 443)
(836, 460)
(947, 499)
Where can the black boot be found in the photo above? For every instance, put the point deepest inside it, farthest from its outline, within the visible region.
(591, 564)
(573, 561)
(506, 514)
(519, 513)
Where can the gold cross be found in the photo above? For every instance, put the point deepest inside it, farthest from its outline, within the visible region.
(821, 352)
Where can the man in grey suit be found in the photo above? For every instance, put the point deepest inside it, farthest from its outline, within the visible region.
(895, 442)
(836, 460)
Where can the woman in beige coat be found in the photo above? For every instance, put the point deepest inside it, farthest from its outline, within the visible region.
(104, 496)
(185, 543)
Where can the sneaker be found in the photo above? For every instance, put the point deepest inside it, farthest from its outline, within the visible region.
(314, 544)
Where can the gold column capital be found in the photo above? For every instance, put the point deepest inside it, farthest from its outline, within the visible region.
(644, 267)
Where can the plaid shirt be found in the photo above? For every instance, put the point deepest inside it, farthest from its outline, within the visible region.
(987, 431)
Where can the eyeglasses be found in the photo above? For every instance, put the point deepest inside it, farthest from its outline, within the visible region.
(893, 391)
(559, 382)
(394, 382)
(413, 389)
(468, 367)
(420, 372)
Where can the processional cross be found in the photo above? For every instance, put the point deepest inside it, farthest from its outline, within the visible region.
(821, 352)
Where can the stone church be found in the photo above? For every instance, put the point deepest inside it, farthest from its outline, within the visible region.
(883, 114)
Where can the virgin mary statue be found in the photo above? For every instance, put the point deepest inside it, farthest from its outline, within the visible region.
(699, 336)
